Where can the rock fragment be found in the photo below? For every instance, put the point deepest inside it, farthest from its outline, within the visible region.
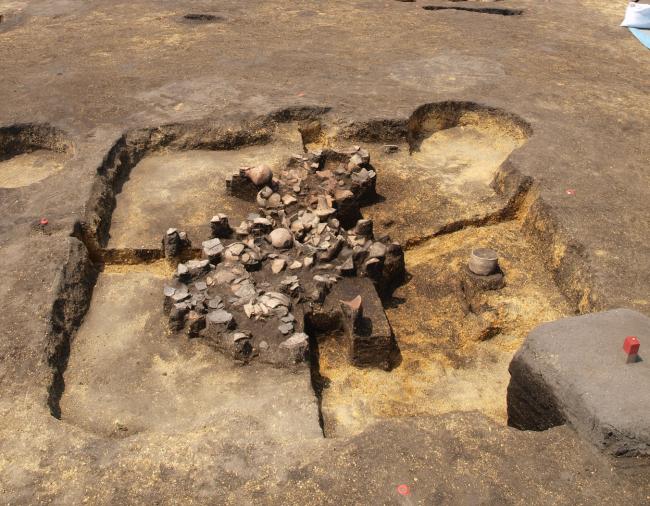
(281, 238)
(212, 250)
(364, 228)
(220, 227)
(220, 317)
(278, 265)
(174, 243)
(377, 250)
(295, 348)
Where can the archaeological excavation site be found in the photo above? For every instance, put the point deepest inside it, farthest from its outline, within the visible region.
(353, 252)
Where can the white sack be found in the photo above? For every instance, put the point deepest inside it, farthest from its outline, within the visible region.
(637, 16)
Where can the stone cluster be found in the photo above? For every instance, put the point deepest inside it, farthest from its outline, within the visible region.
(253, 285)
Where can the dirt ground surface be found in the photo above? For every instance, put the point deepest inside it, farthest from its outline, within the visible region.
(515, 126)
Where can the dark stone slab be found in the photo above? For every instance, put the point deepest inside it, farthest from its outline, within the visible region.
(370, 342)
(574, 370)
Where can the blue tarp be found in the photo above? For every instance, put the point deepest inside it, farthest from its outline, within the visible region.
(642, 35)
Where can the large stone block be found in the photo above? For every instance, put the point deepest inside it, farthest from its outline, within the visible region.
(574, 370)
(370, 340)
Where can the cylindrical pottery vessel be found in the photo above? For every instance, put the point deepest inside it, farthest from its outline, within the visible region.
(483, 261)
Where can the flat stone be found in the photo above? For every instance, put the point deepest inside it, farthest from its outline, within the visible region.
(262, 221)
(212, 248)
(342, 194)
(325, 213)
(355, 160)
(245, 290)
(309, 220)
(215, 303)
(192, 269)
(224, 277)
(243, 229)
(331, 250)
(295, 340)
(271, 303)
(180, 295)
(377, 250)
(219, 317)
(278, 265)
(197, 264)
(289, 199)
(284, 300)
(321, 279)
(236, 249)
(286, 328)
(238, 336)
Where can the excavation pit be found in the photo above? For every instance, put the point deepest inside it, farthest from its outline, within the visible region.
(449, 189)
(31, 153)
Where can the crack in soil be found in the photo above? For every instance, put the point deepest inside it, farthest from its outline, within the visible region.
(500, 11)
